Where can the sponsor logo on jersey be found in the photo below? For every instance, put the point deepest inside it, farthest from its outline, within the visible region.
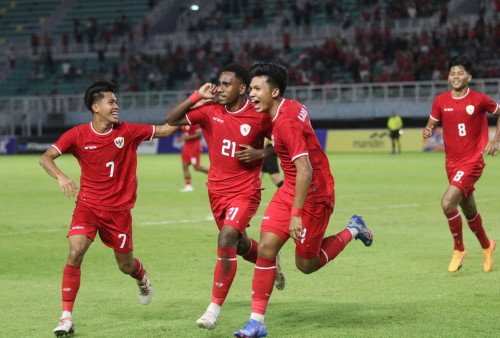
(119, 142)
(469, 109)
(448, 109)
(90, 147)
(77, 228)
(218, 120)
(245, 129)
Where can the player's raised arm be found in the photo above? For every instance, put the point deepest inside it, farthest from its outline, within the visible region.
(430, 128)
(176, 116)
(165, 130)
(68, 187)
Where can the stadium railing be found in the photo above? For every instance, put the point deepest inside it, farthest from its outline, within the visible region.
(33, 112)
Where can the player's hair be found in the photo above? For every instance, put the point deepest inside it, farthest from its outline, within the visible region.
(95, 92)
(277, 75)
(241, 72)
(461, 60)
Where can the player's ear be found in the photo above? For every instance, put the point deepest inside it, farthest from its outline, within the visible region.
(275, 93)
(243, 89)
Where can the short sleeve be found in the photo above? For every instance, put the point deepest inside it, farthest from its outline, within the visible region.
(489, 105)
(436, 109)
(290, 132)
(142, 132)
(66, 142)
(198, 115)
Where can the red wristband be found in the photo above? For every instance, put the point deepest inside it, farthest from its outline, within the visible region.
(296, 212)
(195, 97)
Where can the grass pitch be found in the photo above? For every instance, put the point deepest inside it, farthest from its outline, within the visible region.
(398, 287)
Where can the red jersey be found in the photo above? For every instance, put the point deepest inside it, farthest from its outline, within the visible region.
(224, 131)
(108, 162)
(294, 137)
(465, 125)
(195, 143)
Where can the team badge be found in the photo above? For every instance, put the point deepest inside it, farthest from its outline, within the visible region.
(119, 142)
(245, 129)
(469, 109)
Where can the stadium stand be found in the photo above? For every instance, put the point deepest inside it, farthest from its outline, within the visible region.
(335, 50)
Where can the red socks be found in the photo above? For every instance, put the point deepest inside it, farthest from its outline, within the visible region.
(139, 271)
(70, 286)
(332, 246)
(262, 285)
(455, 224)
(224, 273)
(476, 225)
(251, 254)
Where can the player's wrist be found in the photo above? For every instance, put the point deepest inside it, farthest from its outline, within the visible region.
(297, 212)
(195, 97)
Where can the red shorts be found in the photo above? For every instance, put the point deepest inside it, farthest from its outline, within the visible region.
(315, 218)
(115, 227)
(234, 210)
(465, 176)
(191, 156)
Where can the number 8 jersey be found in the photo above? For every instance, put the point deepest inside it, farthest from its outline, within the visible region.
(224, 131)
(465, 125)
(108, 162)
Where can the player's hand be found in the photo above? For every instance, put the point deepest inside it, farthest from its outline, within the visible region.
(68, 187)
(249, 154)
(428, 131)
(491, 148)
(296, 228)
(208, 91)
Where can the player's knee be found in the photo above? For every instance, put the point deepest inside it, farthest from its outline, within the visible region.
(126, 267)
(447, 205)
(305, 268)
(227, 239)
(242, 247)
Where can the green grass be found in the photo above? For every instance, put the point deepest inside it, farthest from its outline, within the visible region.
(398, 287)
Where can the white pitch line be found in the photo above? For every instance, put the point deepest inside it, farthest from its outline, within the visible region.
(210, 218)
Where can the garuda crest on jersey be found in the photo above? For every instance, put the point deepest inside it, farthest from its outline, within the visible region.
(245, 129)
(469, 109)
(119, 142)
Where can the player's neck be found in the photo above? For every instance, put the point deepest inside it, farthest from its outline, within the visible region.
(101, 126)
(237, 105)
(274, 107)
(459, 92)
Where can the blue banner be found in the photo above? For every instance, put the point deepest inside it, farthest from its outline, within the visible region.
(8, 145)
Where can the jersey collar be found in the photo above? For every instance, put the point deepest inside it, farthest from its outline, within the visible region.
(98, 133)
(461, 97)
(278, 110)
(240, 110)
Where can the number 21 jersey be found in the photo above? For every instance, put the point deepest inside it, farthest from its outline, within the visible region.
(224, 131)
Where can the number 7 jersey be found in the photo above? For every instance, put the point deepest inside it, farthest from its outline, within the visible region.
(224, 132)
(465, 125)
(108, 162)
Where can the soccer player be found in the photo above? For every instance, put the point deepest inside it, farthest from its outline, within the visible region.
(233, 185)
(107, 153)
(465, 133)
(191, 153)
(302, 207)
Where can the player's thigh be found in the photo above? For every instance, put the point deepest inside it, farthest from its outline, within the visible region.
(464, 177)
(84, 222)
(115, 230)
(315, 218)
(234, 210)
